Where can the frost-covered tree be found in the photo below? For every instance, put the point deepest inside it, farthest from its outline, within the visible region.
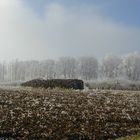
(131, 65)
(2, 72)
(111, 66)
(16, 71)
(32, 70)
(49, 69)
(67, 67)
(88, 68)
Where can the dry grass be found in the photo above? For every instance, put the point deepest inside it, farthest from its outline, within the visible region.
(137, 137)
(68, 115)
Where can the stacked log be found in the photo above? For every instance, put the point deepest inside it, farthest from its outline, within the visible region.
(60, 83)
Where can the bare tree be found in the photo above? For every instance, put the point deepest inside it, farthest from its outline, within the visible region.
(2, 72)
(67, 67)
(88, 67)
(131, 65)
(110, 66)
(48, 69)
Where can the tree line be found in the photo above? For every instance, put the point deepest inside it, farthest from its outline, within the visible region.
(86, 68)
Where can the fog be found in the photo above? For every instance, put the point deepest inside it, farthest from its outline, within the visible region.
(61, 31)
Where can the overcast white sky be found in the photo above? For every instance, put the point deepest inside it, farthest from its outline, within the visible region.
(77, 30)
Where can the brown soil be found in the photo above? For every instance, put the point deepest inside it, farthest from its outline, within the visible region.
(68, 114)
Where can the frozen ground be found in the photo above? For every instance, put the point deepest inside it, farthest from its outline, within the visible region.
(27, 113)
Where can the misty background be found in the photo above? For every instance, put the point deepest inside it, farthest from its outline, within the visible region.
(82, 39)
(38, 30)
(86, 68)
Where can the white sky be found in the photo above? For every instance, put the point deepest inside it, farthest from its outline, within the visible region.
(75, 31)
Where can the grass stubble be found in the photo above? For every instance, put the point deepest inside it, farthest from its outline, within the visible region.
(35, 113)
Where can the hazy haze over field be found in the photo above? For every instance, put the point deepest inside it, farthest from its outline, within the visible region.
(65, 29)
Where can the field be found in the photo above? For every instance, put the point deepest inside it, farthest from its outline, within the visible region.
(31, 113)
(136, 137)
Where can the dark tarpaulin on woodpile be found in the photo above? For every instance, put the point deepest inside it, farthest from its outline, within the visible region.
(61, 83)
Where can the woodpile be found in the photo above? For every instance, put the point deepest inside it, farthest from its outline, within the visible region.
(60, 83)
